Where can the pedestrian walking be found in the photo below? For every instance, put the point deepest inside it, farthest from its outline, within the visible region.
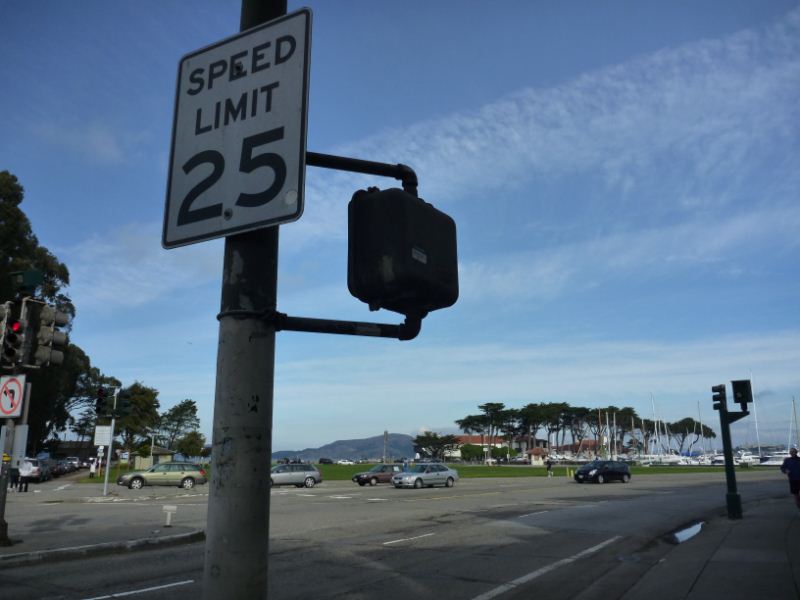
(549, 465)
(92, 469)
(791, 468)
(25, 473)
(14, 476)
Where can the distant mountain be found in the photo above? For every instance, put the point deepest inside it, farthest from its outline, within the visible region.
(399, 445)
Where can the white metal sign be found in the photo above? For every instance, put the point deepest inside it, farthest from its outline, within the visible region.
(237, 161)
(11, 394)
(102, 435)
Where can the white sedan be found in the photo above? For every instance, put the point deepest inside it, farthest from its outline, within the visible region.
(345, 461)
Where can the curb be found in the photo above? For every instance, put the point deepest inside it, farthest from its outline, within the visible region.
(26, 558)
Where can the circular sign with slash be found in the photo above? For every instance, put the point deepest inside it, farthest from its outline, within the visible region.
(11, 392)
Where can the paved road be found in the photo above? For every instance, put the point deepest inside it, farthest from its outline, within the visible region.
(339, 540)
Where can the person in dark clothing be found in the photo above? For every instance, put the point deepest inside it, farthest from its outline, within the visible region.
(14, 477)
(549, 464)
(791, 468)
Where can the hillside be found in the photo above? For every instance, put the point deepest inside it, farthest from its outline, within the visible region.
(399, 446)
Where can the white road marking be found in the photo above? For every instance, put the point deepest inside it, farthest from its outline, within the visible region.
(501, 589)
(540, 512)
(377, 499)
(408, 539)
(63, 487)
(142, 591)
(340, 497)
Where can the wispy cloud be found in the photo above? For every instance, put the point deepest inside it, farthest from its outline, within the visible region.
(97, 143)
(436, 385)
(696, 243)
(127, 267)
(675, 130)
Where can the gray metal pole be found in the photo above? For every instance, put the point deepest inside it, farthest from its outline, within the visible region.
(237, 529)
(111, 442)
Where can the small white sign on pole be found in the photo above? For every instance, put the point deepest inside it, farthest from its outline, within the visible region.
(102, 435)
(11, 394)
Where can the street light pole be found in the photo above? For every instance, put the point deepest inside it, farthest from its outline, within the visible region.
(237, 531)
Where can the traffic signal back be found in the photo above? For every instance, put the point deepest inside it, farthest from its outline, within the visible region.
(401, 252)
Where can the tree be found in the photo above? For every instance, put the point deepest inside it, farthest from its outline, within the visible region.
(56, 390)
(143, 416)
(191, 444)
(20, 250)
(472, 452)
(436, 445)
(83, 426)
(532, 418)
(177, 422)
(473, 424)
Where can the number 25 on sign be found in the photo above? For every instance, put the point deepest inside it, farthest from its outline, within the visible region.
(237, 161)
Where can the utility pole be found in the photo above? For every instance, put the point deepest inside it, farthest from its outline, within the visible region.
(111, 441)
(237, 531)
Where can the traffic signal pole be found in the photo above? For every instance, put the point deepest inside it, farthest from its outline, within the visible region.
(237, 528)
(111, 442)
(743, 395)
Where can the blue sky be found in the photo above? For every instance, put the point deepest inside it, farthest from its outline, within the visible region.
(624, 177)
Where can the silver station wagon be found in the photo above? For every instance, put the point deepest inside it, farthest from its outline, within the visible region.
(427, 475)
(300, 475)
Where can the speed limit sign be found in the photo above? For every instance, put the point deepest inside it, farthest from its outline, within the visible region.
(237, 161)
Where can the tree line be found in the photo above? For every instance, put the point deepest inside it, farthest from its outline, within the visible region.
(58, 392)
(623, 427)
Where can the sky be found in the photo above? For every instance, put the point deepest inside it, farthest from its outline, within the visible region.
(623, 175)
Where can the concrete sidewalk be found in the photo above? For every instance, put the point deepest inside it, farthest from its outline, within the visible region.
(84, 523)
(752, 558)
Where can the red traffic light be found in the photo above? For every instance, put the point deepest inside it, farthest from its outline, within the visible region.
(15, 326)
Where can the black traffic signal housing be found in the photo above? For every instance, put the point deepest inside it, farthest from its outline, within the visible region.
(402, 253)
(124, 406)
(742, 392)
(49, 344)
(720, 397)
(12, 331)
(101, 402)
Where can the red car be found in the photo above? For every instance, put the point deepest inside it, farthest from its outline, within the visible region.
(377, 474)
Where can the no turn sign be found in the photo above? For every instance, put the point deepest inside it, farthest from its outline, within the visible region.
(12, 390)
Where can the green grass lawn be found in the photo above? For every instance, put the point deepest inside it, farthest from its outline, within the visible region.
(346, 472)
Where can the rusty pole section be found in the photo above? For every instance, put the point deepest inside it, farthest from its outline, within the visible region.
(237, 530)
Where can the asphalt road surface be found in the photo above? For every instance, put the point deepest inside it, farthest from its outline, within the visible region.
(482, 539)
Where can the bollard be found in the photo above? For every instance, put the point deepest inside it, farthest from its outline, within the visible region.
(169, 509)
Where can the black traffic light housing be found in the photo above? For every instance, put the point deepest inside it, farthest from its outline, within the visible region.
(100, 403)
(720, 397)
(742, 392)
(13, 335)
(401, 253)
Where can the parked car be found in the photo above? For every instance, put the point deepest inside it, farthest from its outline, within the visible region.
(325, 461)
(377, 474)
(182, 474)
(34, 470)
(74, 461)
(600, 471)
(426, 475)
(345, 461)
(298, 475)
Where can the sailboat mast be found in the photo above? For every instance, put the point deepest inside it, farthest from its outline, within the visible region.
(755, 413)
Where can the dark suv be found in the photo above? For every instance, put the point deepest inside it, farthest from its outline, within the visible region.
(295, 474)
(600, 471)
(377, 474)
